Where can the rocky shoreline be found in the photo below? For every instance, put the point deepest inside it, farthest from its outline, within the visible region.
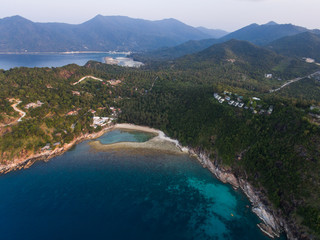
(26, 161)
(273, 224)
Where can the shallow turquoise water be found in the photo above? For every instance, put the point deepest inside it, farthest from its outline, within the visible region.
(125, 136)
(85, 194)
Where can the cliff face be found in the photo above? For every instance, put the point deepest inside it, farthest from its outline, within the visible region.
(272, 223)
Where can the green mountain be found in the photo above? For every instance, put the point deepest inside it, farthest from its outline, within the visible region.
(254, 33)
(301, 45)
(266, 33)
(102, 33)
(246, 58)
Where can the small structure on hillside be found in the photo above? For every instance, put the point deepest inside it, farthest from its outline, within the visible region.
(46, 147)
(308, 60)
(72, 113)
(33, 105)
(268, 75)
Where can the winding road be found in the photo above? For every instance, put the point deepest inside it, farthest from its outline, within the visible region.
(22, 113)
(95, 78)
(286, 84)
(292, 81)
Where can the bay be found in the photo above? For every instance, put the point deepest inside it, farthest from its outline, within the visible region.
(87, 194)
(8, 61)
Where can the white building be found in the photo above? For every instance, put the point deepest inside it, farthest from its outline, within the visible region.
(268, 75)
(101, 121)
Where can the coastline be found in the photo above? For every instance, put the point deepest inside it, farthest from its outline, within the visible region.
(70, 52)
(158, 142)
(272, 224)
(26, 162)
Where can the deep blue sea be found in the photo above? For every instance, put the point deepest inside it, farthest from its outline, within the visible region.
(86, 194)
(8, 61)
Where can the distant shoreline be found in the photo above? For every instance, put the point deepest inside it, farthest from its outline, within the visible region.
(69, 52)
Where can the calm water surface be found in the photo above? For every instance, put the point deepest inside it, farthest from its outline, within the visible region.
(8, 61)
(85, 194)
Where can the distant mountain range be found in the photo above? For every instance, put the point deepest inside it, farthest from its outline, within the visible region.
(102, 33)
(214, 33)
(286, 39)
(166, 39)
(266, 33)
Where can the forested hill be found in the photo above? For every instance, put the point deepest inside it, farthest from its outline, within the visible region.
(301, 45)
(102, 33)
(242, 60)
(266, 33)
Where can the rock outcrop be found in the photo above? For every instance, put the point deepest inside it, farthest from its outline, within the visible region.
(271, 224)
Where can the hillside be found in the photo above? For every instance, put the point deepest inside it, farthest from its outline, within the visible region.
(171, 53)
(266, 33)
(102, 33)
(245, 60)
(289, 44)
(301, 45)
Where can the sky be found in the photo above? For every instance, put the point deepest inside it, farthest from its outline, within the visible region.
(228, 15)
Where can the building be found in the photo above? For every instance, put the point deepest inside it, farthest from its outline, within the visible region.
(308, 60)
(270, 110)
(101, 121)
(46, 147)
(256, 99)
(268, 75)
(72, 113)
(33, 105)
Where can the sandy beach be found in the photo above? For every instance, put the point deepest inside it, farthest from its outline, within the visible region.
(159, 143)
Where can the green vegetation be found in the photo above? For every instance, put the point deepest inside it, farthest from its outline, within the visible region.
(302, 45)
(278, 153)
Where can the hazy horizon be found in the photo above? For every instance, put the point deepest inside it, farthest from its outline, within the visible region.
(213, 14)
